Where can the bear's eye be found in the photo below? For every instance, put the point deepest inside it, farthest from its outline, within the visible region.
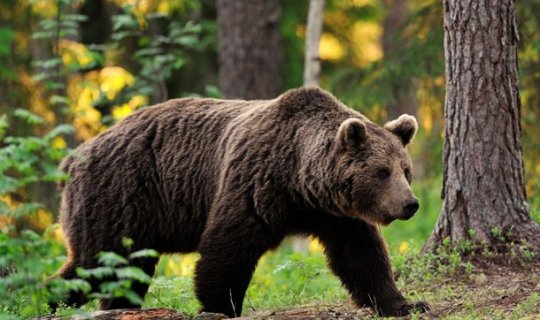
(407, 172)
(383, 174)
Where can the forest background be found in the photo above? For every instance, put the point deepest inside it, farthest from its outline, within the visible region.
(70, 69)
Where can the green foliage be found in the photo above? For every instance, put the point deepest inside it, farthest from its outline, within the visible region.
(25, 161)
(25, 261)
(118, 275)
(527, 307)
(159, 54)
(27, 258)
(445, 262)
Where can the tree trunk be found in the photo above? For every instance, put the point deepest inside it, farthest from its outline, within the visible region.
(250, 49)
(483, 186)
(312, 62)
(404, 95)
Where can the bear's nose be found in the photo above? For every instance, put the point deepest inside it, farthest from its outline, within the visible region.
(410, 208)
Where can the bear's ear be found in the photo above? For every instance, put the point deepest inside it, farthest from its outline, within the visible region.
(404, 127)
(351, 132)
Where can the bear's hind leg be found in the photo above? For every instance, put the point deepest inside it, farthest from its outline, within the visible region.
(148, 265)
(358, 256)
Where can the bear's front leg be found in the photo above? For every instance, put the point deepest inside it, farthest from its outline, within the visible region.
(358, 256)
(230, 249)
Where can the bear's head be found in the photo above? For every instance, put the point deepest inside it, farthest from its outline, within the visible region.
(374, 169)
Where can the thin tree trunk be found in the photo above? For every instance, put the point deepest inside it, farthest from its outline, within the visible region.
(312, 62)
(483, 187)
(45, 192)
(250, 48)
(404, 95)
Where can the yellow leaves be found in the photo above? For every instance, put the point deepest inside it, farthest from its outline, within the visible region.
(140, 9)
(45, 8)
(58, 143)
(5, 221)
(41, 219)
(361, 3)
(314, 245)
(55, 232)
(330, 48)
(87, 120)
(92, 89)
(35, 95)
(73, 52)
(403, 247)
(114, 79)
(120, 112)
(366, 36)
(181, 265)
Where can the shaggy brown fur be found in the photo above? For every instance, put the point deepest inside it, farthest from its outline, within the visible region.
(231, 179)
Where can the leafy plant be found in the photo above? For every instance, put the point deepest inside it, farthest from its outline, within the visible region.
(119, 274)
(27, 258)
(158, 54)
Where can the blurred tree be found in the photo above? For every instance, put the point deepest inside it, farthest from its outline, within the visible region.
(404, 95)
(483, 187)
(529, 62)
(312, 61)
(250, 49)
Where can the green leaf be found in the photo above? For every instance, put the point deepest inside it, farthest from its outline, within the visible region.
(59, 100)
(99, 272)
(188, 41)
(29, 117)
(65, 129)
(144, 253)
(3, 125)
(40, 35)
(25, 209)
(8, 184)
(133, 273)
(6, 40)
(127, 242)
(133, 297)
(111, 259)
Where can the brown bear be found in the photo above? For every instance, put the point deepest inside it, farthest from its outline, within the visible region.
(231, 179)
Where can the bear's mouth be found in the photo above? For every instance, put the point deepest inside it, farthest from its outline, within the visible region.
(405, 215)
(387, 219)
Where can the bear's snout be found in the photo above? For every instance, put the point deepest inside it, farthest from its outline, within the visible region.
(410, 209)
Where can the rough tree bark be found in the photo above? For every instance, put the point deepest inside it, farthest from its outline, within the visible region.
(312, 61)
(484, 186)
(250, 48)
(403, 91)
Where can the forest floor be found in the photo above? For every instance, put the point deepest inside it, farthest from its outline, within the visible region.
(499, 287)
(494, 289)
